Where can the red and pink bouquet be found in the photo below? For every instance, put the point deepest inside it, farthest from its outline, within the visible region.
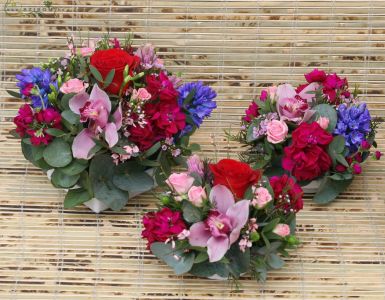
(223, 220)
(318, 132)
(106, 119)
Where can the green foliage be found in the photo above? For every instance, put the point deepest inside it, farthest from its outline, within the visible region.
(330, 189)
(75, 167)
(109, 78)
(14, 94)
(239, 262)
(191, 213)
(58, 153)
(76, 197)
(96, 73)
(180, 261)
(209, 269)
(336, 150)
(61, 180)
(274, 261)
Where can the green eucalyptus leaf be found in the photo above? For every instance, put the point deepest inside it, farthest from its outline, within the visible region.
(201, 257)
(152, 150)
(74, 168)
(134, 181)
(75, 197)
(55, 132)
(274, 261)
(58, 153)
(61, 180)
(64, 101)
(194, 147)
(191, 213)
(239, 261)
(14, 94)
(109, 78)
(70, 117)
(336, 148)
(180, 261)
(206, 269)
(96, 73)
(330, 189)
(271, 225)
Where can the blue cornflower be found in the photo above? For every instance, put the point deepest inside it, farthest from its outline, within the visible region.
(201, 105)
(35, 84)
(354, 124)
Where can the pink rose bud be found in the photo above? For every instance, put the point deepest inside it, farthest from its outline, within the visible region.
(180, 182)
(276, 131)
(378, 155)
(282, 230)
(196, 195)
(195, 165)
(357, 169)
(73, 86)
(141, 94)
(365, 145)
(262, 197)
(323, 122)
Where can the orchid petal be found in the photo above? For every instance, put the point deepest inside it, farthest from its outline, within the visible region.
(307, 116)
(217, 248)
(82, 144)
(111, 134)
(199, 235)
(222, 198)
(78, 101)
(285, 91)
(98, 94)
(239, 214)
(310, 88)
(118, 117)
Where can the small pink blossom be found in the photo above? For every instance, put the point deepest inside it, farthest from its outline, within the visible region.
(184, 234)
(88, 48)
(262, 197)
(73, 86)
(141, 94)
(244, 243)
(282, 230)
(196, 195)
(195, 165)
(323, 122)
(180, 182)
(276, 131)
(253, 226)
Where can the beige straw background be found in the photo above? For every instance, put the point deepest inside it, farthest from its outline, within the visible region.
(47, 252)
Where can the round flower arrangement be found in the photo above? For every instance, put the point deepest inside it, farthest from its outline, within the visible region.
(223, 220)
(319, 132)
(107, 119)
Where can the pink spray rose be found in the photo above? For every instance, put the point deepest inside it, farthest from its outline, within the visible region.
(73, 86)
(141, 94)
(196, 195)
(323, 122)
(180, 182)
(282, 230)
(195, 165)
(276, 131)
(261, 198)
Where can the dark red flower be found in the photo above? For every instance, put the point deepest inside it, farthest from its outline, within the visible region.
(162, 225)
(106, 60)
(23, 119)
(311, 134)
(285, 188)
(235, 175)
(161, 88)
(143, 137)
(251, 112)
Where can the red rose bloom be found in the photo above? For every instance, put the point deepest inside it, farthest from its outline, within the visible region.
(285, 188)
(306, 157)
(235, 175)
(106, 60)
(162, 225)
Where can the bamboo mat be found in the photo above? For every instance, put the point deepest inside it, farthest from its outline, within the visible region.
(47, 252)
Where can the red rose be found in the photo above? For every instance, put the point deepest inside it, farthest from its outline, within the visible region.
(307, 163)
(285, 188)
(106, 60)
(235, 175)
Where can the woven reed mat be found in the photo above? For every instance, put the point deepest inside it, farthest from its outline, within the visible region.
(47, 252)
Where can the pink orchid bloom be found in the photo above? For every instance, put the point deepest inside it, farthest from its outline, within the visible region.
(292, 106)
(223, 224)
(94, 109)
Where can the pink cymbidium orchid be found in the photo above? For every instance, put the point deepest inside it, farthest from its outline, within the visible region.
(94, 109)
(223, 224)
(293, 106)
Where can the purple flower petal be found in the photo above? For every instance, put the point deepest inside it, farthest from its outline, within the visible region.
(199, 235)
(222, 198)
(285, 91)
(83, 144)
(310, 88)
(118, 117)
(217, 248)
(111, 134)
(239, 214)
(78, 101)
(98, 94)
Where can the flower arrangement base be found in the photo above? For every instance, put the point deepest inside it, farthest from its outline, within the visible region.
(97, 205)
(312, 187)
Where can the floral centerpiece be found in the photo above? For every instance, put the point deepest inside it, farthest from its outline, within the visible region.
(107, 119)
(318, 132)
(223, 220)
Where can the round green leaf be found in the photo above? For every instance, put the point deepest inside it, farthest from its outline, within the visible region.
(61, 180)
(58, 154)
(75, 167)
(75, 197)
(326, 110)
